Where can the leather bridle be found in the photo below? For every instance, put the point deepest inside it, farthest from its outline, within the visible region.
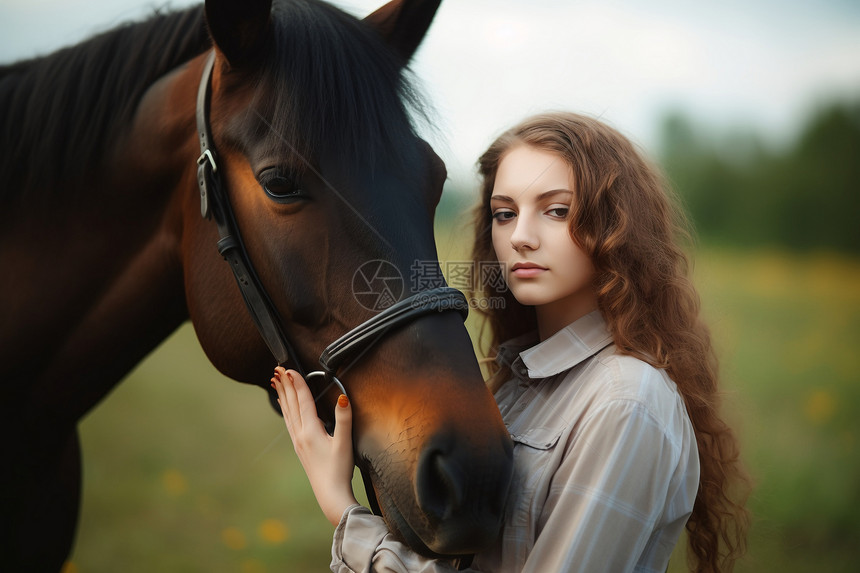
(346, 350)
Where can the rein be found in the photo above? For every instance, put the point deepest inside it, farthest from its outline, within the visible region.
(215, 204)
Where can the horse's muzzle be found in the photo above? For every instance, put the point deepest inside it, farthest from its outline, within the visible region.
(452, 502)
(462, 497)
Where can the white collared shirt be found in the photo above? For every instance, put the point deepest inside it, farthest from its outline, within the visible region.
(605, 466)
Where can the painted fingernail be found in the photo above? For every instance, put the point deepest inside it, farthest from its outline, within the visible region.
(342, 401)
(290, 376)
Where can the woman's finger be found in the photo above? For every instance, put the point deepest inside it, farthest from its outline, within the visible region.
(306, 404)
(343, 426)
(288, 400)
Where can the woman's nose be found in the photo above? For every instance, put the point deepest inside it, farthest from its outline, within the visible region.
(524, 235)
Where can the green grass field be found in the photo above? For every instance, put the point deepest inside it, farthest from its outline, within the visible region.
(788, 330)
(185, 470)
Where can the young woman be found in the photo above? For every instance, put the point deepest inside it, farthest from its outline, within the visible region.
(604, 373)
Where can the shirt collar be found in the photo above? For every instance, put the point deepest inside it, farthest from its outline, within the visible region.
(562, 351)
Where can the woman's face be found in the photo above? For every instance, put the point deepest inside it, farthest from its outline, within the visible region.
(541, 263)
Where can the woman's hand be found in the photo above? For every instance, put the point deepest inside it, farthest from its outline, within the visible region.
(327, 460)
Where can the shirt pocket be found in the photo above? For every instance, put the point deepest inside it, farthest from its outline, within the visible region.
(539, 438)
(535, 461)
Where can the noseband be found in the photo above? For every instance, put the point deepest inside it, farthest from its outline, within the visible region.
(214, 203)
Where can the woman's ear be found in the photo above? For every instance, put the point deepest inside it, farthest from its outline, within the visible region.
(239, 29)
(403, 24)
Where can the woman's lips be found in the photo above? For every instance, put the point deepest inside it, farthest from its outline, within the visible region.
(527, 270)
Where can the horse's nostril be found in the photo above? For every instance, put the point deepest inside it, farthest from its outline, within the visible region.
(440, 484)
(460, 489)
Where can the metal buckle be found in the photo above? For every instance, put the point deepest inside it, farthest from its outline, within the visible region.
(207, 154)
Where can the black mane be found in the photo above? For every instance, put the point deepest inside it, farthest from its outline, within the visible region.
(330, 85)
(61, 111)
(347, 93)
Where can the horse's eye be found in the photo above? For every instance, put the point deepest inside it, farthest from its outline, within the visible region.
(280, 186)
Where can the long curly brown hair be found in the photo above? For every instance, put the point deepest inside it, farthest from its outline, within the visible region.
(633, 228)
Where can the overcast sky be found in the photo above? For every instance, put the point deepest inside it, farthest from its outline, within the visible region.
(487, 63)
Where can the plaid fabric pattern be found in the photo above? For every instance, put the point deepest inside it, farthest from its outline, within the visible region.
(605, 466)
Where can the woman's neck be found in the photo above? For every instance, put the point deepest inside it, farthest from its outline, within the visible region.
(554, 316)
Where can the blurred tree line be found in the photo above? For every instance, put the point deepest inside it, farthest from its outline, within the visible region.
(740, 191)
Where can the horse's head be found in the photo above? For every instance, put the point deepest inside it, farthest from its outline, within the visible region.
(334, 195)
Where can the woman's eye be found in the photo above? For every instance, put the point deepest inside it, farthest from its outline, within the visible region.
(502, 216)
(279, 186)
(559, 212)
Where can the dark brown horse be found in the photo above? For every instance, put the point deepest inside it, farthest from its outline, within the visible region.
(104, 251)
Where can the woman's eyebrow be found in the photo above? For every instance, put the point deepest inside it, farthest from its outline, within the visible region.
(541, 197)
(552, 192)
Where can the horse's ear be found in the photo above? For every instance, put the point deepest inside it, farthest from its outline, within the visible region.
(403, 23)
(238, 29)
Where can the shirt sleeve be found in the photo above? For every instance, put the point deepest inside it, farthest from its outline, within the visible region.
(607, 494)
(363, 543)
